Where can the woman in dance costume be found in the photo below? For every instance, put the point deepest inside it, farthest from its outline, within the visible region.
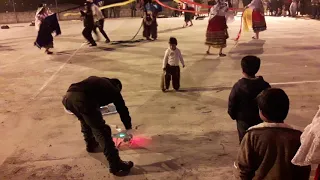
(44, 38)
(217, 33)
(253, 17)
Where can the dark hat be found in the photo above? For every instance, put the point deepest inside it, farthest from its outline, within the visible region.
(173, 40)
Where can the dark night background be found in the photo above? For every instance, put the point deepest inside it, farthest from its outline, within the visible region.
(29, 5)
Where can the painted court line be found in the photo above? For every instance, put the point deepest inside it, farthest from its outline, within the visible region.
(55, 74)
(280, 83)
(296, 82)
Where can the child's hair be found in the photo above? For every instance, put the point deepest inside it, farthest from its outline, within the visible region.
(250, 65)
(173, 40)
(274, 104)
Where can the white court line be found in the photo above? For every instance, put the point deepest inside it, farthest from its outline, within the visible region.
(55, 74)
(296, 82)
(280, 83)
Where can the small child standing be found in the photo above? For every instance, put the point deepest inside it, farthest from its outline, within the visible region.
(171, 67)
(242, 105)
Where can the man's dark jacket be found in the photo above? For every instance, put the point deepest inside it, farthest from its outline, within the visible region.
(100, 91)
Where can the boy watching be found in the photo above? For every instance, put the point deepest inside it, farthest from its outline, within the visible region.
(267, 149)
(242, 105)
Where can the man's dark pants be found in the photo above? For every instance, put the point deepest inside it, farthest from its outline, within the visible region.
(93, 126)
(315, 11)
(133, 12)
(87, 33)
(150, 30)
(100, 25)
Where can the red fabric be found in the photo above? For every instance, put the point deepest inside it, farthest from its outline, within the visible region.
(217, 23)
(257, 16)
(317, 176)
(240, 31)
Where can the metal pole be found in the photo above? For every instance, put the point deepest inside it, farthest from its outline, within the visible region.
(14, 10)
(57, 9)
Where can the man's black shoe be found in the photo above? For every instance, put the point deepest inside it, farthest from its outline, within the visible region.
(121, 166)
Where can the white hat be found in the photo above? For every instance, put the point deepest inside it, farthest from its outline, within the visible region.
(40, 7)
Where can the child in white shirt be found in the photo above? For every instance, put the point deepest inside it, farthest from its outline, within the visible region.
(171, 67)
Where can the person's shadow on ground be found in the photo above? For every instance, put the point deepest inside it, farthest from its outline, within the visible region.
(5, 48)
(253, 47)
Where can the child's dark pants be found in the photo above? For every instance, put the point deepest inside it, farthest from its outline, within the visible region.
(243, 126)
(174, 73)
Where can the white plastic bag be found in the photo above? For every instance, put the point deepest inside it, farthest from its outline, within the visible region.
(309, 151)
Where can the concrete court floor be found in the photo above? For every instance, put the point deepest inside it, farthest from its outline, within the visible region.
(183, 135)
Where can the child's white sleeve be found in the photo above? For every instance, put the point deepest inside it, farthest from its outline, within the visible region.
(181, 58)
(165, 59)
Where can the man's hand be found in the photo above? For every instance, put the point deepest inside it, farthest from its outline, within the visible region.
(164, 69)
(129, 131)
(183, 66)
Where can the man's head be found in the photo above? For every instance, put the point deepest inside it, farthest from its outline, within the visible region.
(274, 105)
(117, 83)
(173, 43)
(250, 65)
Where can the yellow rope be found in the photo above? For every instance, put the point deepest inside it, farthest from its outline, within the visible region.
(117, 4)
(104, 7)
(177, 1)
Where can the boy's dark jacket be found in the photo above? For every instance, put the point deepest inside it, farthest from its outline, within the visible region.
(242, 100)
